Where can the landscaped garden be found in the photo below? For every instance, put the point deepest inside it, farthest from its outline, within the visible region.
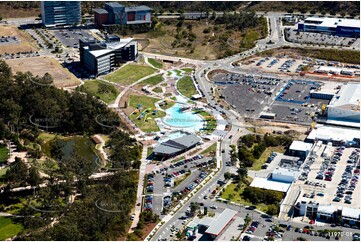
(4, 154)
(186, 87)
(154, 80)
(145, 112)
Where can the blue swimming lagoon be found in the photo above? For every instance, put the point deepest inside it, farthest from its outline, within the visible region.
(182, 119)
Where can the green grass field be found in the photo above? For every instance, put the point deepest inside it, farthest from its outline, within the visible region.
(9, 228)
(3, 171)
(155, 63)
(157, 89)
(147, 122)
(185, 86)
(235, 196)
(262, 160)
(211, 150)
(154, 80)
(130, 74)
(4, 154)
(92, 87)
(187, 70)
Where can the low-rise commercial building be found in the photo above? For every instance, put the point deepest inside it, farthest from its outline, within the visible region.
(115, 13)
(174, 147)
(300, 149)
(337, 26)
(345, 106)
(101, 57)
(335, 135)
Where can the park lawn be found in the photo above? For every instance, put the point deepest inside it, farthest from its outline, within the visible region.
(185, 87)
(4, 154)
(178, 72)
(155, 63)
(149, 151)
(210, 150)
(154, 80)
(157, 89)
(3, 171)
(130, 74)
(92, 87)
(235, 196)
(145, 124)
(45, 136)
(9, 228)
(262, 160)
(187, 70)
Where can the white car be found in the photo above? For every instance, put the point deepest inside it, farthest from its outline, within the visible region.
(214, 207)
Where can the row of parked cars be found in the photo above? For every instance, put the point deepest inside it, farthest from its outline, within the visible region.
(150, 184)
(167, 201)
(183, 162)
(148, 206)
(287, 64)
(252, 228)
(328, 166)
(195, 183)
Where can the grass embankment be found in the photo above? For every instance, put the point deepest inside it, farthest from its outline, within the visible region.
(101, 90)
(211, 150)
(187, 70)
(155, 63)
(211, 121)
(130, 74)
(185, 87)
(154, 80)
(146, 122)
(9, 228)
(4, 154)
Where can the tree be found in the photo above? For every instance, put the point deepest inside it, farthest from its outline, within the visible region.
(18, 172)
(242, 173)
(194, 207)
(34, 177)
(227, 175)
(272, 209)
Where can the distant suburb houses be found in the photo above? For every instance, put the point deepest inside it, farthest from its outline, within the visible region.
(115, 13)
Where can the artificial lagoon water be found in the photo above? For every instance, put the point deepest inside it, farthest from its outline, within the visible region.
(186, 120)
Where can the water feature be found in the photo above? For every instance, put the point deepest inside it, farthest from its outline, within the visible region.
(186, 120)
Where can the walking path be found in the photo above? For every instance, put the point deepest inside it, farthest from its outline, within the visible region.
(139, 189)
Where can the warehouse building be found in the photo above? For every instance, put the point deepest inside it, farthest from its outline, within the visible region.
(345, 106)
(300, 149)
(101, 57)
(335, 135)
(174, 147)
(60, 13)
(336, 26)
(114, 13)
(218, 225)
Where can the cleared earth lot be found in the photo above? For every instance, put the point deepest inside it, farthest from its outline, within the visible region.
(61, 76)
(25, 44)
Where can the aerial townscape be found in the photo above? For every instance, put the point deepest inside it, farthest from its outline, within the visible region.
(180, 120)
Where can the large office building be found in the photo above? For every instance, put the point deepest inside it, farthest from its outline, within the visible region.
(101, 57)
(115, 13)
(345, 105)
(60, 13)
(337, 26)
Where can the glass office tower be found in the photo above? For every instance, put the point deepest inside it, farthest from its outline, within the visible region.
(57, 13)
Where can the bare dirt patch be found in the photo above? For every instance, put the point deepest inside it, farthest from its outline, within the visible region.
(26, 44)
(41, 65)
